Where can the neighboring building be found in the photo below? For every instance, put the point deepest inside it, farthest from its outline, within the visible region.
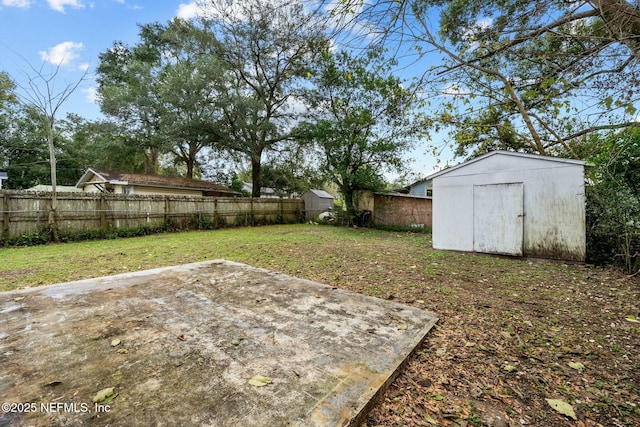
(511, 203)
(133, 183)
(422, 188)
(265, 192)
(316, 202)
(3, 176)
(59, 188)
(396, 209)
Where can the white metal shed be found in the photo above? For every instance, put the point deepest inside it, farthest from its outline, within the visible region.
(511, 203)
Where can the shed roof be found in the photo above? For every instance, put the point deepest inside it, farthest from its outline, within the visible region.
(321, 194)
(125, 178)
(3, 175)
(506, 153)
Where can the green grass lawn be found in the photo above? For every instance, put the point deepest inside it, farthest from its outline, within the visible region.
(273, 246)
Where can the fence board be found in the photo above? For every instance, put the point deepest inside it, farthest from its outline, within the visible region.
(26, 213)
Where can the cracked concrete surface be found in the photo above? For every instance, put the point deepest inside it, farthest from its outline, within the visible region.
(180, 344)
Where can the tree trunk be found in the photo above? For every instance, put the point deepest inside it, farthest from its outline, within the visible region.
(256, 167)
(151, 161)
(347, 194)
(190, 165)
(53, 213)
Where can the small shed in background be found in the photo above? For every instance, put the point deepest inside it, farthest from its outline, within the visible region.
(511, 203)
(316, 202)
(3, 176)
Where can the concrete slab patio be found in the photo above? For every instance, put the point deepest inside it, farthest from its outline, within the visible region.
(179, 346)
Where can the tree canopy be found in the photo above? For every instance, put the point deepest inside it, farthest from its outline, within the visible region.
(164, 91)
(528, 76)
(267, 48)
(360, 119)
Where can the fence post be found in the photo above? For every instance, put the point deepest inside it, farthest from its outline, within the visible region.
(5, 218)
(250, 222)
(215, 213)
(167, 211)
(103, 213)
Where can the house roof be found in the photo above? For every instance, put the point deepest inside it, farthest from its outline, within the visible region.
(506, 153)
(125, 178)
(322, 194)
(59, 188)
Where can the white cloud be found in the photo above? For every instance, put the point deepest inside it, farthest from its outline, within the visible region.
(84, 67)
(92, 95)
(189, 10)
(59, 5)
(62, 54)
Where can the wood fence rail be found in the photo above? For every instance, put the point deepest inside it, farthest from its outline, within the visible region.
(26, 213)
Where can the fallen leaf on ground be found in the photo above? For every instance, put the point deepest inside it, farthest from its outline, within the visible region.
(115, 342)
(563, 407)
(430, 420)
(577, 366)
(260, 381)
(632, 318)
(104, 394)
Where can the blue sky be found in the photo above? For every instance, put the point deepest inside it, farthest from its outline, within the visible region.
(73, 33)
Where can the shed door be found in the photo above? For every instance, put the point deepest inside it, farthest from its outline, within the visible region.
(498, 220)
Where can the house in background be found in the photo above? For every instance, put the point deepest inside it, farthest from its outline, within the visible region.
(265, 192)
(422, 188)
(511, 203)
(3, 176)
(133, 183)
(316, 202)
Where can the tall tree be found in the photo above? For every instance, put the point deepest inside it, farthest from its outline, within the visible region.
(8, 103)
(165, 90)
(522, 75)
(362, 120)
(127, 90)
(268, 48)
(190, 88)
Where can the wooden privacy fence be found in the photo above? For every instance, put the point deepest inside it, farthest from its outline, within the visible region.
(27, 213)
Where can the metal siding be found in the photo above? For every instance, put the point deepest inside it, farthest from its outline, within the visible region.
(498, 218)
(453, 214)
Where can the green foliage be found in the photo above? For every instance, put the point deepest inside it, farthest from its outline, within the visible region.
(163, 91)
(613, 200)
(267, 48)
(360, 121)
(528, 76)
